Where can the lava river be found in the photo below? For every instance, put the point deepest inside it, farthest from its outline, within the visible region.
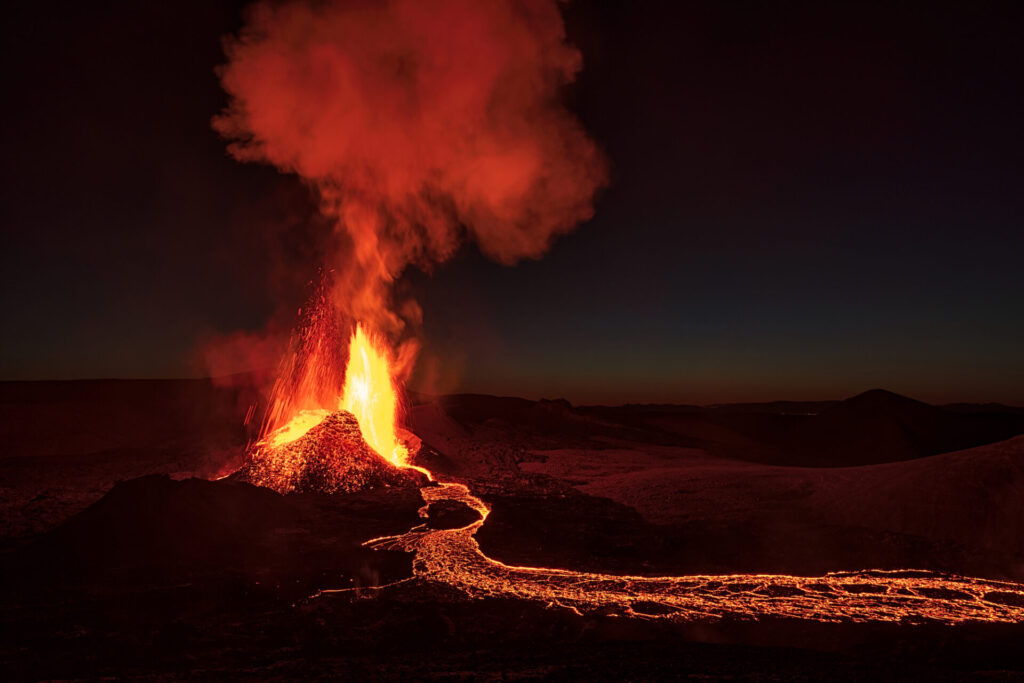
(453, 557)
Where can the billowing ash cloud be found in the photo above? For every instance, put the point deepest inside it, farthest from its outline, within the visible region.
(420, 123)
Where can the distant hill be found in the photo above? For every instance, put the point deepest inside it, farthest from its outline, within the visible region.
(880, 426)
(874, 427)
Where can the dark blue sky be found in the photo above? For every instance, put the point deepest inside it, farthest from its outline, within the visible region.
(807, 201)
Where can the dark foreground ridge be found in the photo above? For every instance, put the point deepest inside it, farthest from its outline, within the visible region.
(248, 558)
(155, 530)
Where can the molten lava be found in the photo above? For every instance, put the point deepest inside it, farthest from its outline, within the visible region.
(452, 557)
(316, 438)
(332, 457)
(297, 427)
(369, 393)
(371, 396)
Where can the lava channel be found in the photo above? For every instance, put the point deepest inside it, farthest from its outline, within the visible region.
(453, 557)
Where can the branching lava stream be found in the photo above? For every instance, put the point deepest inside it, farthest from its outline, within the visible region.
(453, 557)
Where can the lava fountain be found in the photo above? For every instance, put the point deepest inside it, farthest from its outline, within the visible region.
(333, 441)
(370, 394)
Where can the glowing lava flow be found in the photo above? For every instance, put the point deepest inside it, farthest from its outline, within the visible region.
(298, 426)
(452, 557)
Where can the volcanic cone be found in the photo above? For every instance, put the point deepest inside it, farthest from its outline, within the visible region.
(332, 457)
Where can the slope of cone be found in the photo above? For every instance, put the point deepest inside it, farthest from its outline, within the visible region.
(332, 457)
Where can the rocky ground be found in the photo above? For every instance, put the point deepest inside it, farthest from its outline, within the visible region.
(168, 576)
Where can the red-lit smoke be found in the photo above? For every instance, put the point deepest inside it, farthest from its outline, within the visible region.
(418, 122)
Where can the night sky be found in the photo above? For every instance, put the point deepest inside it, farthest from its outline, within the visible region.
(807, 200)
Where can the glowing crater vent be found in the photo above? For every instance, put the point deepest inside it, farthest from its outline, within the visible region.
(298, 426)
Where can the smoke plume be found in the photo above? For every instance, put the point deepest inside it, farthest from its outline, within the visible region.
(419, 124)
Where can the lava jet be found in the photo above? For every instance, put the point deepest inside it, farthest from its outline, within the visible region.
(352, 446)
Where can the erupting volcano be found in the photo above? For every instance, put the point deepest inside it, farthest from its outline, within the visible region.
(350, 443)
(490, 366)
(411, 146)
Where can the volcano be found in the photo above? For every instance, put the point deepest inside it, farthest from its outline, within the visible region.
(331, 457)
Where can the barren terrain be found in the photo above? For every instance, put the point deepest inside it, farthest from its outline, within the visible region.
(167, 574)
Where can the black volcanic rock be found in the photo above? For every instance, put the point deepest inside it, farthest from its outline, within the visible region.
(155, 521)
(450, 514)
(332, 457)
(153, 530)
